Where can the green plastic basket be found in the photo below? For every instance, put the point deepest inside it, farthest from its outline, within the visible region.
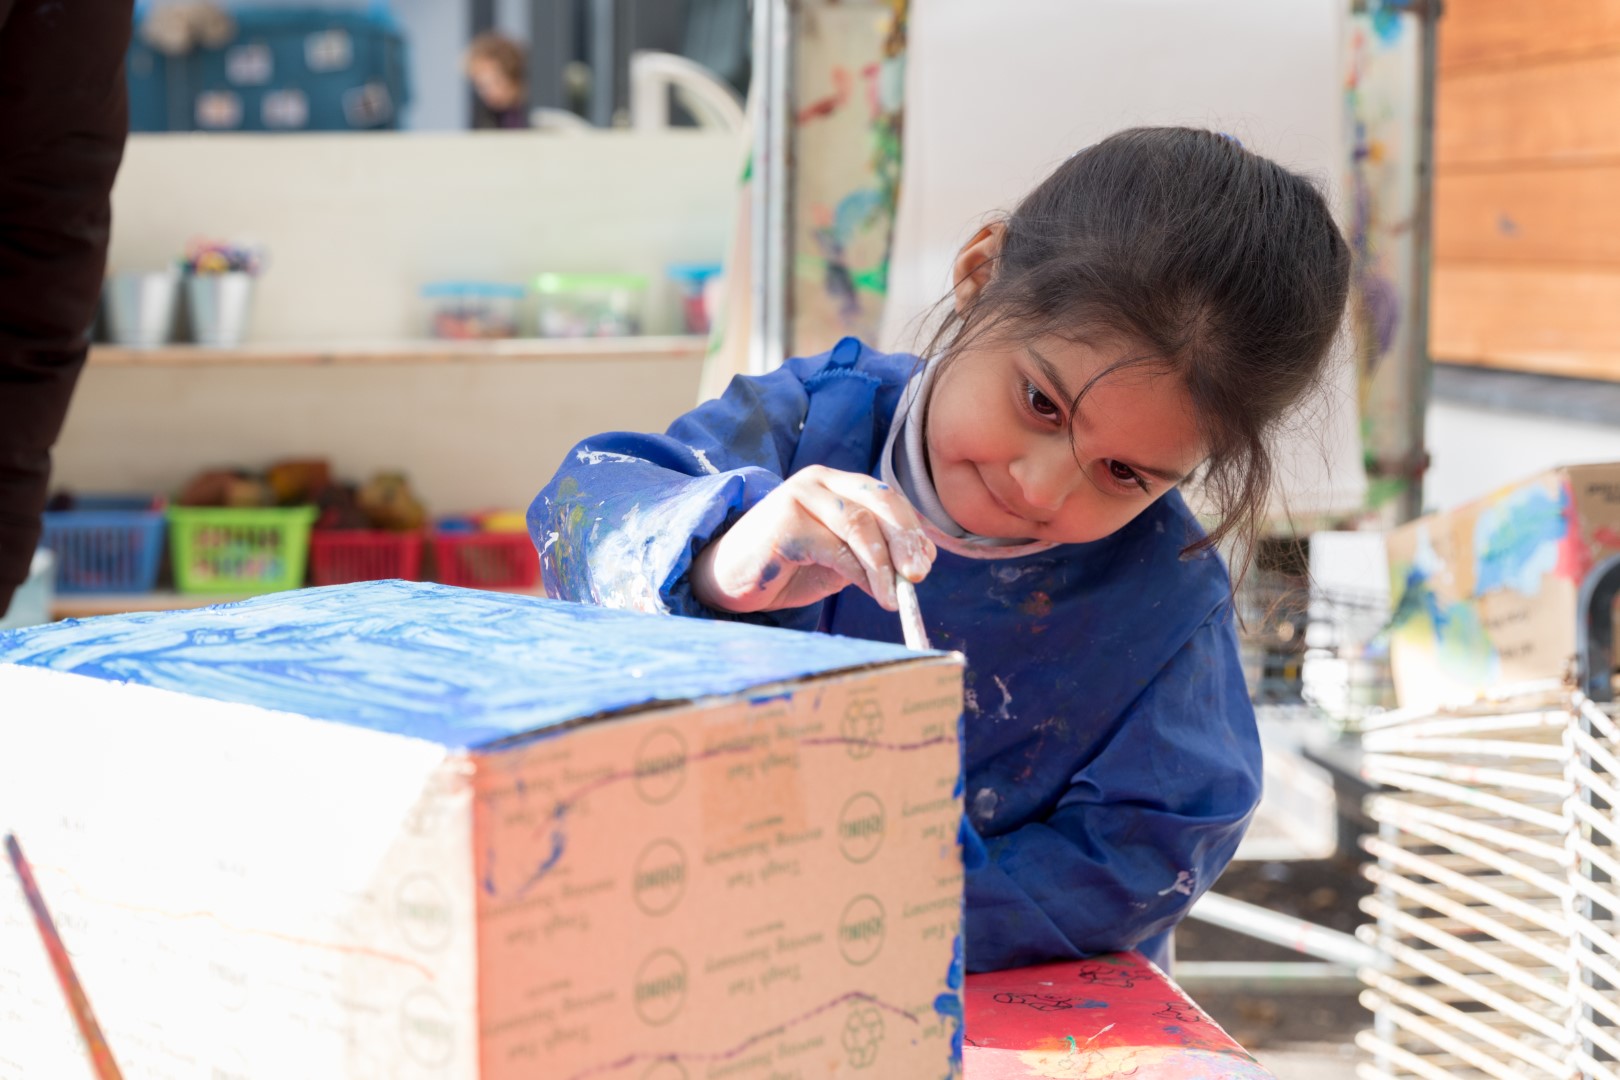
(225, 551)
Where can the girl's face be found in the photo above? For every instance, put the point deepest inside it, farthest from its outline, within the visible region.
(999, 440)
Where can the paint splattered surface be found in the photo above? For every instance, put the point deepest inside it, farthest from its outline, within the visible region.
(1114, 1015)
(453, 666)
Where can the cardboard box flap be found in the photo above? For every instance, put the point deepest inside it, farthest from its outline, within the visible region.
(457, 667)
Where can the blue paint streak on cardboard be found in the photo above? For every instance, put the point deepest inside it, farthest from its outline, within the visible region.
(1091, 1003)
(949, 1008)
(559, 843)
(456, 667)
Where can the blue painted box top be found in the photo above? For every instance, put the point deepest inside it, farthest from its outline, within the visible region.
(458, 667)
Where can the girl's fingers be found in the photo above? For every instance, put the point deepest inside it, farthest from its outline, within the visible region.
(859, 531)
(910, 552)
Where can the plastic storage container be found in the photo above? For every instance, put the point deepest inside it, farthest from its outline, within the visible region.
(339, 556)
(106, 544)
(463, 310)
(590, 305)
(698, 287)
(485, 560)
(230, 551)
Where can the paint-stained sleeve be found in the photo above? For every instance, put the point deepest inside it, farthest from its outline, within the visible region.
(1144, 828)
(621, 521)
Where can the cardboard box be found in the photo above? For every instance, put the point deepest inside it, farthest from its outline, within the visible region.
(400, 831)
(1485, 595)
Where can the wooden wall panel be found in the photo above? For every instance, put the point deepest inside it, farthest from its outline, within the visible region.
(1481, 33)
(1543, 215)
(1555, 321)
(1564, 112)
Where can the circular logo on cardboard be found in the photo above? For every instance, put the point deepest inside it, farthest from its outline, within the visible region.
(863, 723)
(425, 1028)
(660, 988)
(658, 880)
(666, 1070)
(422, 908)
(863, 1035)
(860, 929)
(660, 765)
(860, 827)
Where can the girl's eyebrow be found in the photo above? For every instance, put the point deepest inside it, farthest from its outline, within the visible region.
(1168, 476)
(1052, 376)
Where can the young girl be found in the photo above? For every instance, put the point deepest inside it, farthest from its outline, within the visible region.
(1142, 318)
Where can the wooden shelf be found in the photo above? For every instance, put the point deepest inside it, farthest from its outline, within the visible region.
(89, 605)
(317, 354)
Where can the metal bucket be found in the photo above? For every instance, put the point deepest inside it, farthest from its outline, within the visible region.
(219, 305)
(140, 307)
(31, 604)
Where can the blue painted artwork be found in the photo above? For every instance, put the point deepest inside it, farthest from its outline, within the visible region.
(1517, 540)
(457, 667)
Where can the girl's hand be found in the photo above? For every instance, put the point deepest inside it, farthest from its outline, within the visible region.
(819, 532)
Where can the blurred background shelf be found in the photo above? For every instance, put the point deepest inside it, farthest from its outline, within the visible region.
(403, 352)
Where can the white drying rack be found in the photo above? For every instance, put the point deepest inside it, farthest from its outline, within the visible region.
(1498, 851)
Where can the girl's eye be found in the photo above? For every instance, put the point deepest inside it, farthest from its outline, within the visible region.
(1040, 404)
(1125, 475)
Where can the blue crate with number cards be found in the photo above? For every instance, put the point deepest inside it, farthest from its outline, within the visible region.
(283, 69)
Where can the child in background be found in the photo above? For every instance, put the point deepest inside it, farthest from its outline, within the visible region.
(1143, 317)
(495, 65)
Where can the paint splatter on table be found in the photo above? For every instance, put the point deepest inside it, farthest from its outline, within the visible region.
(1115, 1015)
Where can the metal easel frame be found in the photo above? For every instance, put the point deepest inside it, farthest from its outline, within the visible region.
(771, 207)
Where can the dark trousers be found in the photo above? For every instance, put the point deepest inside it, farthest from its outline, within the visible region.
(63, 118)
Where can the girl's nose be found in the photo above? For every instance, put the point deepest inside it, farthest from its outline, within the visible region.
(1045, 479)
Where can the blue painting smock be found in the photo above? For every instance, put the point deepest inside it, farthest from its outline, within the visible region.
(1110, 751)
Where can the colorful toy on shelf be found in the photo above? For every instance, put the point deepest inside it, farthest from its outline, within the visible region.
(473, 310)
(204, 256)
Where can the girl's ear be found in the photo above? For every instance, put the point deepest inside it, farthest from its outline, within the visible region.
(976, 264)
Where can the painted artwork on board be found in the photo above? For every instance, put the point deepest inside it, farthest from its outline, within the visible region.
(851, 64)
(1487, 593)
(1381, 118)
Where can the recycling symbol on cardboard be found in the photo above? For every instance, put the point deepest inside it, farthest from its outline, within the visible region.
(863, 1034)
(863, 723)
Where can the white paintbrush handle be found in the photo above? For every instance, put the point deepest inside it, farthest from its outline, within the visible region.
(911, 622)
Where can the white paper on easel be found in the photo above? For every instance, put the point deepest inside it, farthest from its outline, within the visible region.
(998, 94)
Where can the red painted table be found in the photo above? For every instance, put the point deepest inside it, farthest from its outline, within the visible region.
(1115, 1015)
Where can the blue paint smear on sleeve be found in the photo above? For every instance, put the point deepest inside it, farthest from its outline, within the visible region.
(457, 667)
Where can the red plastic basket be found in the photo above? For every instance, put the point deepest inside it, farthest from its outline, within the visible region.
(338, 556)
(494, 560)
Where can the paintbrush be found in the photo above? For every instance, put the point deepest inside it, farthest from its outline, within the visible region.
(100, 1054)
(911, 623)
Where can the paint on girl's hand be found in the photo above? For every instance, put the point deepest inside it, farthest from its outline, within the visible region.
(769, 574)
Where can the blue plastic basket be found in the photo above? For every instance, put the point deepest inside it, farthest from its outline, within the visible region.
(106, 544)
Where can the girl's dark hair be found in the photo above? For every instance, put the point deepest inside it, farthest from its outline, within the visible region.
(1226, 267)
